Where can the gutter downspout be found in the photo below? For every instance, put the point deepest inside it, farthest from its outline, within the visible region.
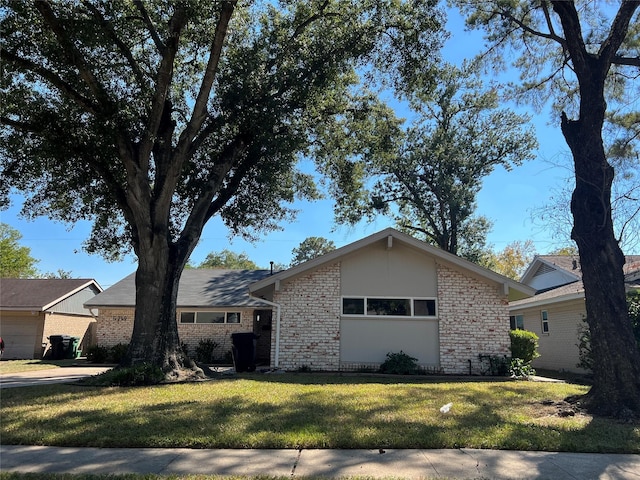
(277, 347)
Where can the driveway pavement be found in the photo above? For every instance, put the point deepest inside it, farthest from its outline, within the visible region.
(410, 464)
(53, 375)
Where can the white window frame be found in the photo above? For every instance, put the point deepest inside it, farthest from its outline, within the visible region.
(544, 318)
(365, 299)
(226, 314)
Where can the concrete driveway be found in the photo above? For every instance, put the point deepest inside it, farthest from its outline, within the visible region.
(49, 376)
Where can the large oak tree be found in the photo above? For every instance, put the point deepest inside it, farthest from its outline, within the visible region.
(149, 117)
(583, 55)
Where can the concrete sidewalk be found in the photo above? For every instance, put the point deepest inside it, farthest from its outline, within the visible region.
(459, 464)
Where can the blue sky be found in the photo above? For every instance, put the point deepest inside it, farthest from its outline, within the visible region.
(509, 199)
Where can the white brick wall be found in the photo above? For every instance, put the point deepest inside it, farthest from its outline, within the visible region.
(474, 320)
(116, 326)
(310, 321)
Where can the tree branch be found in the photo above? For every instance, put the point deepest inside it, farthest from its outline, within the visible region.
(152, 29)
(52, 78)
(107, 27)
(618, 31)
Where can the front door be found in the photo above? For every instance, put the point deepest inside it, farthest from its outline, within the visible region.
(262, 328)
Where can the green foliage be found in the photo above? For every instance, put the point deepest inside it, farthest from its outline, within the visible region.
(518, 368)
(228, 260)
(15, 261)
(427, 177)
(138, 375)
(400, 364)
(585, 357)
(205, 351)
(524, 345)
(310, 248)
(114, 354)
(98, 354)
(512, 261)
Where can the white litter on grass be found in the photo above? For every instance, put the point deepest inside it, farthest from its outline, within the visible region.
(446, 408)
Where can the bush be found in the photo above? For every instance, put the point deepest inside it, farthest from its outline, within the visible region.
(138, 375)
(118, 352)
(97, 354)
(400, 364)
(524, 345)
(519, 369)
(205, 351)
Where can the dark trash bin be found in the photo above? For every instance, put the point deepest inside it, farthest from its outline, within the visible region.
(64, 346)
(244, 351)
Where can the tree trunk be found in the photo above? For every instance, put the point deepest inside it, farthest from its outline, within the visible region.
(616, 370)
(155, 336)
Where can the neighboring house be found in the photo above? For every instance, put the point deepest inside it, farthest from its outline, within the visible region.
(557, 312)
(344, 310)
(31, 310)
(212, 304)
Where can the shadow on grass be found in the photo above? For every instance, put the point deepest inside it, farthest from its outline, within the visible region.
(306, 411)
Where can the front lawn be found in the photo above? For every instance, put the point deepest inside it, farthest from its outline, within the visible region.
(312, 411)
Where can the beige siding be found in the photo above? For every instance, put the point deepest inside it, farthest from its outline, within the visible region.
(558, 349)
(380, 271)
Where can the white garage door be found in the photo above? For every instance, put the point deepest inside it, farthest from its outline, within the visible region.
(365, 341)
(20, 337)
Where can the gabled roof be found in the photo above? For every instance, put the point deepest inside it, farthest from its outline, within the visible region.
(40, 294)
(391, 235)
(573, 289)
(199, 288)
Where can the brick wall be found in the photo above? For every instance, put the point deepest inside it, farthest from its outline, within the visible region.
(116, 326)
(310, 321)
(79, 326)
(474, 320)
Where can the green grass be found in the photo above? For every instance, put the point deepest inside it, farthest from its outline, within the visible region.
(310, 411)
(17, 366)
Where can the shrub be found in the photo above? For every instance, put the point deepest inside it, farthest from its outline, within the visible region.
(97, 354)
(584, 346)
(117, 352)
(520, 369)
(524, 345)
(205, 351)
(400, 364)
(138, 375)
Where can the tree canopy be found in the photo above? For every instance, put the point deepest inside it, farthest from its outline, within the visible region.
(150, 117)
(15, 260)
(229, 260)
(310, 248)
(428, 178)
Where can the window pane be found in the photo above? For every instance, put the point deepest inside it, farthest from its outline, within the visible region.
(233, 317)
(388, 306)
(187, 317)
(520, 322)
(210, 317)
(353, 306)
(424, 308)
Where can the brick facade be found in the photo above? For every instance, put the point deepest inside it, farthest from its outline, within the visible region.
(474, 321)
(310, 321)
(80, 326)
(116, 326)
